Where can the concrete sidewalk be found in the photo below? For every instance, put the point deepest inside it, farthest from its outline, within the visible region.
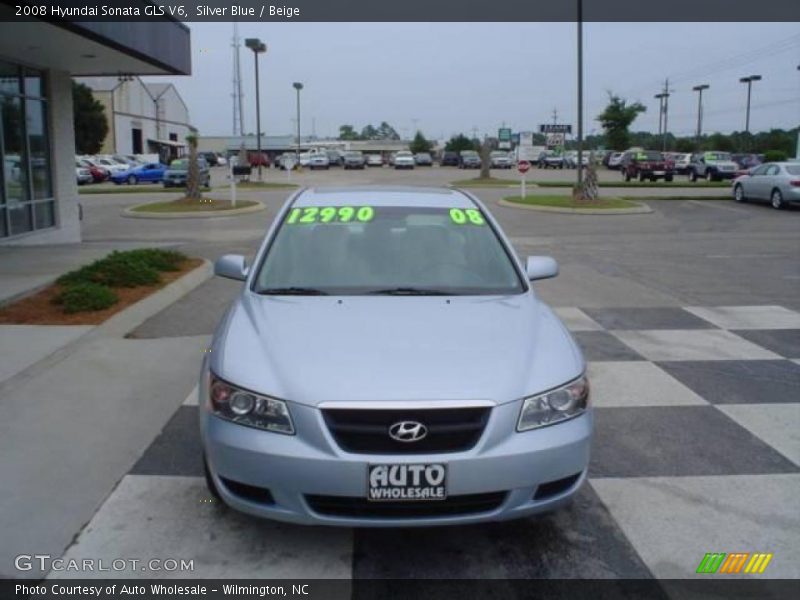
(81, 404)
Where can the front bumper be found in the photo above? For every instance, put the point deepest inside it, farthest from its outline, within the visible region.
(310, 463)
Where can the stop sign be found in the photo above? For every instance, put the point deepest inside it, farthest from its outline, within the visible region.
(523, 166)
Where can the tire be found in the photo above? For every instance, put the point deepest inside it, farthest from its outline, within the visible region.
(738, 193)
(642, 176)
(710, 176)
(776, 199)
(667, 177)
(626, 175)
(693, 176)
(132, 180)
(212, 487)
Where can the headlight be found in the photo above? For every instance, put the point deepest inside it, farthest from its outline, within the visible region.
(248, 408)
(555, 406)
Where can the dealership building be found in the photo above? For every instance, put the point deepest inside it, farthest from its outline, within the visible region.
(143, 118)
(38, 189)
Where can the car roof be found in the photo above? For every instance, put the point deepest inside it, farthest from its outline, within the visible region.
(384, 196)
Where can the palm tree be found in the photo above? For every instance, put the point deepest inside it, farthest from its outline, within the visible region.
(193, 177)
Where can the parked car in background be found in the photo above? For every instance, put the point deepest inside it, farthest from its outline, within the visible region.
(255, 159)
(614, 160)
(646, 164)
(571, 159)
(147, 173)
(747, 161)
(286, 158)
(680, 161)
(500, 159)
(354, 159)
(99, 174)
(319, 161)
(404, 159)
(450, 159)
(712, 166)
(110, 165)
(777, 182)
(374, 160)
(423, 159)
(82, 174)
(549, 159)
(211, 158)
(222, 161)
(470, 159)
(177, 173)
(335, 158)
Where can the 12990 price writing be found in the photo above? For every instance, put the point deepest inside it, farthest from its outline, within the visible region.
(330, 214)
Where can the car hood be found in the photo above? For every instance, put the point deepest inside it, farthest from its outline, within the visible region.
(314, 349)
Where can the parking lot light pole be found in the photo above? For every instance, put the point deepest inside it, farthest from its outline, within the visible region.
(749, 81)
(580, 95)
(700, 88)
(298, 86)
(258, 47)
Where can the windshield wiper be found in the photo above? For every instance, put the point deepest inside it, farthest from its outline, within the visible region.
(292, 291)
(409, 291)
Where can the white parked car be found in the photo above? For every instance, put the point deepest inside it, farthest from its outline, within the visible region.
(318, 161)
(374, 160)
(404, 159)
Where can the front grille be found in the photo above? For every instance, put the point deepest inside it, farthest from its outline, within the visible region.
(357, 507)
(366, 431)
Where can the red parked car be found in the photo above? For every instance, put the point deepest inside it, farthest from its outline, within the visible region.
(98, 173)
(646, 164)
(256, 159)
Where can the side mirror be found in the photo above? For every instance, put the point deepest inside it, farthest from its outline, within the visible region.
(541, 267)
(232, 266)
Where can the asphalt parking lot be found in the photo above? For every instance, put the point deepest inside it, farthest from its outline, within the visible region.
(690, 319)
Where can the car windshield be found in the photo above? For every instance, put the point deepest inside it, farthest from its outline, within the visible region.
(181, 164)
(717, 156)
(649, 156)
(399, 250)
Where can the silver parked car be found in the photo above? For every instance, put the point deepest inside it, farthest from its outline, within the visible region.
(777, 182)
(387, 363)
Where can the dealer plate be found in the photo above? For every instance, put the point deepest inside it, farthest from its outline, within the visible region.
(407, 482)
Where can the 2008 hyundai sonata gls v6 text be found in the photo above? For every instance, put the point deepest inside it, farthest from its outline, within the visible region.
(388, 363)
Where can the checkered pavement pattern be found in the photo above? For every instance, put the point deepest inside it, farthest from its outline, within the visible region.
(696, 450)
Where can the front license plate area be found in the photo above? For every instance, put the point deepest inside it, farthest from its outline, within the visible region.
(407, 483)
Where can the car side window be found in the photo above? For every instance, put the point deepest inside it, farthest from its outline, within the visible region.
(760, 170)
(773, 170)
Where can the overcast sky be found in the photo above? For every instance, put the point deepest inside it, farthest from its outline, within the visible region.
(445, 78)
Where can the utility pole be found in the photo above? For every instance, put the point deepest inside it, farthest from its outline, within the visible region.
(580, 96)
(555, 116)
(749, 81)
(699, 88)
(663, 109)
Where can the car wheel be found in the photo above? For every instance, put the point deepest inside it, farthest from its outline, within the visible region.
(668, 178)
(642, 177)
(132, 180)
(738, 193)
(212, 487)
(709, 176)
(777, 199)
(692, 175)
(626, 175)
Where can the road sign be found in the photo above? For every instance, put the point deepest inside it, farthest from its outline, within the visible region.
(555, 140)
(555, 128)
(523, 166)
(504, 134)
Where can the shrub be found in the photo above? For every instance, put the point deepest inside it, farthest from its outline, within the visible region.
(85, 297)
(158, 259)
(118, 269)
(774, 156)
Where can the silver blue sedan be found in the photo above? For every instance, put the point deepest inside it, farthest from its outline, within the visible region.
(779, 183)
(388, 363)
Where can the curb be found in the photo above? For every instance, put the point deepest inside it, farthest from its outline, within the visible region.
(120, 324)
(201, 214)
(641, 209)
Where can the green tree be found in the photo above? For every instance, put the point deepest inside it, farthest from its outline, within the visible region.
(616, 118)
(387, 132)
(89, 116)
(685, 145)
(459, 142)
(420, 143)
(348, 132)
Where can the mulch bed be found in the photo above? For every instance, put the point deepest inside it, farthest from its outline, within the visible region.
(38, 309)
